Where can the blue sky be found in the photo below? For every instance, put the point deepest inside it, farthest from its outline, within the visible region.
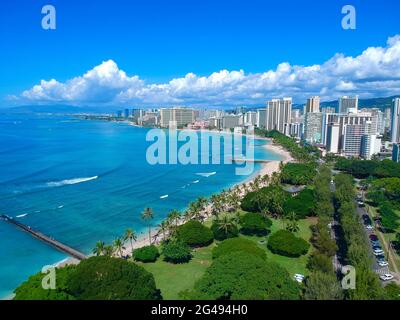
(163, 40)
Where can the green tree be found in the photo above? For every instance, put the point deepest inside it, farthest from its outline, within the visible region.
(32, 288)
(99, 249)
(323, 286)
(107, 278)
(130, 236)
(147, 216)
(292, 225)
(118, 246)
(242, 275)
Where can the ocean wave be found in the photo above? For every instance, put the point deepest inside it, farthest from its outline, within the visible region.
(206, 174)
(69, 181)
(21, 215)
(164, 196)
(196, 181)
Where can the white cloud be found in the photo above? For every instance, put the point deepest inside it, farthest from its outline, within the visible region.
(375, 72)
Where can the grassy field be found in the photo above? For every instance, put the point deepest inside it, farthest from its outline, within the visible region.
(174, 278)
(292, 265)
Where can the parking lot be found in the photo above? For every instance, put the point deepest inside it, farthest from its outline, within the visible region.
(378, 251)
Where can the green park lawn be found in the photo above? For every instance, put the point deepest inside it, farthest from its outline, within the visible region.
(174, 278)
(292, 265)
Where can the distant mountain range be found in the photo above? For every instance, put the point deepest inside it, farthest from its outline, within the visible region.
(381, 103)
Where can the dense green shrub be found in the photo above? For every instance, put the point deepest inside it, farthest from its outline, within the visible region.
(195, 234)
(244, 276)
(222, 233)
(302, 205)
(32, 288)
(320, 262)
(146, 254)
(298, 173)
(107, 278)
(254, 224)
(287, 244)
(176, 252)
(237, 244)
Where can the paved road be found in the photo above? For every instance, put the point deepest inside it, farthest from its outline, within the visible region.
(378, 269)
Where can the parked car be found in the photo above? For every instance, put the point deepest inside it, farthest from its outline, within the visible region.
(378, 252)
(383, 263)
(375, 243)
(373, 237)
(369, 227)
(386, 277)
(299, 277)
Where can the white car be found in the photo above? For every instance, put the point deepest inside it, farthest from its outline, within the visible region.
(299, 277)
(383, 263)
(369, 227)
(386, 277)
(378, 252)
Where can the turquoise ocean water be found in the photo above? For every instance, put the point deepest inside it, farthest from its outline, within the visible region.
(83, 181)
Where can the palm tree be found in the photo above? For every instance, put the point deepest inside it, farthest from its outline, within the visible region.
(131, 236)
(147, 216)
(174, 216)
(193, 212)
(292, 224)
(163, 227)
(265, 179)
(225, 224)
(108, 250)
(99, 249)
(118, 246)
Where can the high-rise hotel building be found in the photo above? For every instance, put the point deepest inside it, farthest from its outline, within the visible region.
(313, 104)
(179, 116)
(395, 126)
(348, 104)
(279, 114)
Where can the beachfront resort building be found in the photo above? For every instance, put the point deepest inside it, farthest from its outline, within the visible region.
(178, 116)
(260, 122)
(278, 114)
(231, 121)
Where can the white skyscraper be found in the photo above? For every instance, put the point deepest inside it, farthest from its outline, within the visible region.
(279, 114)
(348, 104)
(179, 115)
(332, 144)
(260, 122)
(354, 134)
(313, 104)
(395, 127)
